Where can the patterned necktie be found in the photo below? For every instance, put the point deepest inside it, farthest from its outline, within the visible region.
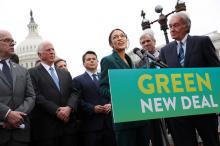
(54, 77)
(7, 72)
(181, 54)
(94, 77)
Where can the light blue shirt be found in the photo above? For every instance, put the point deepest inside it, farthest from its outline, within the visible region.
(47, 67)
(91, 73)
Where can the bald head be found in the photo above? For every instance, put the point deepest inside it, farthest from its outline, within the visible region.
(5, 34)
(46, 53)
(6, 44)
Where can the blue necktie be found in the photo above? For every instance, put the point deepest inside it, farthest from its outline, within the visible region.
(54, 77)
(7, 72)
(94, 77)
(181, 54)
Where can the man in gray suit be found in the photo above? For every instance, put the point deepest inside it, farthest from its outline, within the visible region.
(17, 96)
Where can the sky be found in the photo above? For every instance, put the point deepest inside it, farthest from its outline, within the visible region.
(76, 26)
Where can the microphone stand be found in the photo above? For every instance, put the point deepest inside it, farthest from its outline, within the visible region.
(159, 63)
(162, 121)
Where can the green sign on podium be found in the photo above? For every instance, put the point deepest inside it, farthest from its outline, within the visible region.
(141, 94)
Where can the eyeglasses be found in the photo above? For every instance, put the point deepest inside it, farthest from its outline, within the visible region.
(10, 41)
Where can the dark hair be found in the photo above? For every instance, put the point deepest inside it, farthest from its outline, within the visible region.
(110, 35)
(14, 58)
(88, 52)
(58, 60)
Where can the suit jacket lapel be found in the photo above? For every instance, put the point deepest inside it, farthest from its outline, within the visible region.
(4, 79)
(12, 67)
(120, 62)
(89, 79)
(13, 73)
(174, 54)
(189, 47)
(47, 76)
(60, 80)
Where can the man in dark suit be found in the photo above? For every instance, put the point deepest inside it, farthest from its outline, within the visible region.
(53, 118)
(61, 63)
(17, 97)
(96, 122)
(190, 51)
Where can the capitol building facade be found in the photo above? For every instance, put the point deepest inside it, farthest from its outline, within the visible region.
(215, 37)
(27, 49)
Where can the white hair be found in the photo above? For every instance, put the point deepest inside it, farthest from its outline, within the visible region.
(185, 17)
(41, 45)
(148, 32)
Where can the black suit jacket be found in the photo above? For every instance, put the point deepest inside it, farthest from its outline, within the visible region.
(200, 52)
(44, 122)
(90, 97)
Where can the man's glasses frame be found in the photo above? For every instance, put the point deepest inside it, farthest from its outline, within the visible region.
(10, 41)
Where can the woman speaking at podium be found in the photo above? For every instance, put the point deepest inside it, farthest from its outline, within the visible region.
(129, 133)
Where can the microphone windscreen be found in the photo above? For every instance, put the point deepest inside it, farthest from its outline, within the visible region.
(143, 51)
(135, 50)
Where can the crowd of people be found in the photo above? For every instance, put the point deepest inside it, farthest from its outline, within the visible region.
(45, 106)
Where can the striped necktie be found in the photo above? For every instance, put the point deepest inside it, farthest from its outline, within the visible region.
(181, 54)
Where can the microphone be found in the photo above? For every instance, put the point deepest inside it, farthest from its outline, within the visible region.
(137, 51)
(155, 60)
(152, 57)
(143, 57)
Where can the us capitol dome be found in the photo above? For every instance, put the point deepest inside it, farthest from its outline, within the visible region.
(27, 49)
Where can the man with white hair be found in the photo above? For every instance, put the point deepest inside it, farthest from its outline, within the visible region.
(148, 43)
(53, 118)
(190, 51)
